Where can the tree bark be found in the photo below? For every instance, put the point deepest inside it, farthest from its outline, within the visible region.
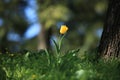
(110, 40)
(44, 38)
(3, 44)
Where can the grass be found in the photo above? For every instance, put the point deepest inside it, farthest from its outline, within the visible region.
(43, 66)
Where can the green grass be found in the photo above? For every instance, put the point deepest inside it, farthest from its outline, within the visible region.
(44, 65)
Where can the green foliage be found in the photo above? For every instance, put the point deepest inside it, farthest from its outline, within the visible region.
(2, 74)
(69, 65)
(44, 66)
(75, 13)
(13, 21)
(54, 13)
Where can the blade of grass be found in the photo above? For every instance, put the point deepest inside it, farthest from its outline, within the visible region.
(56, 46)
(48, 57)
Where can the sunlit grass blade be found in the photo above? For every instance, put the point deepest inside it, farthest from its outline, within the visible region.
(56, 46)
(48, 57)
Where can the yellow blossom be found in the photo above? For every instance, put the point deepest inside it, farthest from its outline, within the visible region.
(63, 29)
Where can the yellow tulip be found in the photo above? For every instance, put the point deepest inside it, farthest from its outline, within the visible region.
(63, 29)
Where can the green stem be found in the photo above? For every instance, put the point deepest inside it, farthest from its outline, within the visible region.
(60, 42)
(59, 47)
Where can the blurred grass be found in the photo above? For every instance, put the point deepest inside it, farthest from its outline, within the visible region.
(43, 66)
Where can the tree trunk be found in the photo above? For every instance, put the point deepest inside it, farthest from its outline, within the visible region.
(44, 38)
(110, 40)
(3, 44)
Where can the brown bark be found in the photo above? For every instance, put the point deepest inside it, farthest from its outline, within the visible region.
(110, 40)
(44, 38)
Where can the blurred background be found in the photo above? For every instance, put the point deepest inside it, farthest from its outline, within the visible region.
(32, 24)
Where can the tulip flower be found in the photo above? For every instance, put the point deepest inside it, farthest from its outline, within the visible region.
(63, 29)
